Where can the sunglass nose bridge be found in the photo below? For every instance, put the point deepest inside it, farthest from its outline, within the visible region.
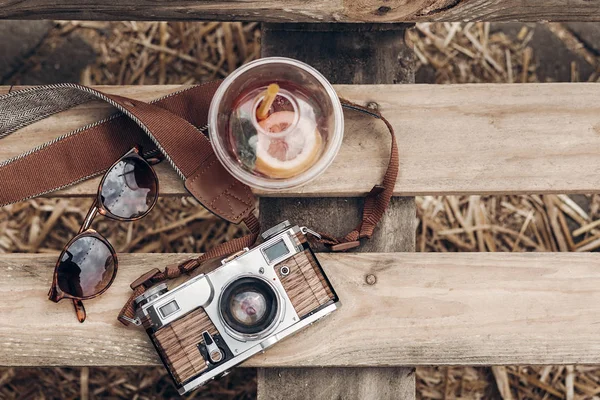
(87, 222)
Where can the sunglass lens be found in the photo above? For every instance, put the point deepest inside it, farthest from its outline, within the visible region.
(86, 267)
(129, 189)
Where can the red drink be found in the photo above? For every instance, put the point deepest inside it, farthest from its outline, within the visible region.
(276, 124)
(284, 143)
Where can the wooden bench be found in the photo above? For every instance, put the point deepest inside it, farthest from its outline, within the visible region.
(400, 309)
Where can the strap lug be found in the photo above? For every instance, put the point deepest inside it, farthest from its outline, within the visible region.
(306, 230)
(130, 321)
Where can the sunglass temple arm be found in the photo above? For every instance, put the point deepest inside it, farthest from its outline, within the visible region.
(79, 310)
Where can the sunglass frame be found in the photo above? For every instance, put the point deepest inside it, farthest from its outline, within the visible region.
(56, 293)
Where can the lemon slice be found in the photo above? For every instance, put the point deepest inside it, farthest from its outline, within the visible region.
(289, 154)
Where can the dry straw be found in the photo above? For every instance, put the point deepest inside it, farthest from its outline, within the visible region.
(183, 53)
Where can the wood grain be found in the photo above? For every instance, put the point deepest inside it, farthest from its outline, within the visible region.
(340, 383)
(306, 11)
(369, 54)
(424, 309)
(453, 139)
(304, 283)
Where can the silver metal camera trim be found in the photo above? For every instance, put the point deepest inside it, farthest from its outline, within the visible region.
(267, 331)
(188, 299)
(258, 348)
(252, 263)
(205, 291)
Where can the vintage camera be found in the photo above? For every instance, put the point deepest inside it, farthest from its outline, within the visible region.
(258, 296)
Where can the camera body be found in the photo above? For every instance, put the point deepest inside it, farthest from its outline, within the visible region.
(211, 323)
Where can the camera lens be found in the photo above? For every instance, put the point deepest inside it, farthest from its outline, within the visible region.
(249, 305)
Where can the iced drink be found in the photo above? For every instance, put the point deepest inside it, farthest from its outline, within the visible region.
(276, 123)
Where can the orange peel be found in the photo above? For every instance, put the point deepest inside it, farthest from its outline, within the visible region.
(288, 156)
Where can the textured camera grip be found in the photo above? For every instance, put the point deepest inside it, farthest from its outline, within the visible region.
(305, 284)
(178, 344)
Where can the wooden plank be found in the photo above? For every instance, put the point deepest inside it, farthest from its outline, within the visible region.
(337, 383)
(306, 11)
(350, 54)
(396, 232)
(424, 309)
(454, 139)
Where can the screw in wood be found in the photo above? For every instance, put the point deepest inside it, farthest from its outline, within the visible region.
(371, 279)
(373, 105)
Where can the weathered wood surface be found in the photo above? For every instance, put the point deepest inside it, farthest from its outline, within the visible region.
(306, 11)
(374, 383)
(453, 139)
(366, 54)
(425, 308)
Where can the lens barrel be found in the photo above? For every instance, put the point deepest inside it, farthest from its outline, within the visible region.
(249, 306)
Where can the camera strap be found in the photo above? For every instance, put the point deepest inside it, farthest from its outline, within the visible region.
(375, 204)
(169, 125)
(172, 125)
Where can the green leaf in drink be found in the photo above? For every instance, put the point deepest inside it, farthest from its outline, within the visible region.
(245, 136)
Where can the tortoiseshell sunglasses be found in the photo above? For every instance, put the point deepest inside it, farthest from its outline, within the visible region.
(88, 264)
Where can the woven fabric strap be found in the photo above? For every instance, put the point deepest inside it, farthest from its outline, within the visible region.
(170, 124)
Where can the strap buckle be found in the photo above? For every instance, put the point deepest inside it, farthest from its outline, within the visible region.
(345, 246)
(145, 278)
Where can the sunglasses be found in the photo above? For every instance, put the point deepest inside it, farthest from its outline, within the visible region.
(88, 264)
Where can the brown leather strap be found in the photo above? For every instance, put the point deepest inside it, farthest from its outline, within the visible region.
(377, 200)
(139, 286)
(374, 207)
(169, 124)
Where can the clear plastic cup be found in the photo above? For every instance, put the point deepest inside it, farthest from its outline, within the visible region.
(297, 138)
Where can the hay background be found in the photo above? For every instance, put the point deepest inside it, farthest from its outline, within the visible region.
(169, 53)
